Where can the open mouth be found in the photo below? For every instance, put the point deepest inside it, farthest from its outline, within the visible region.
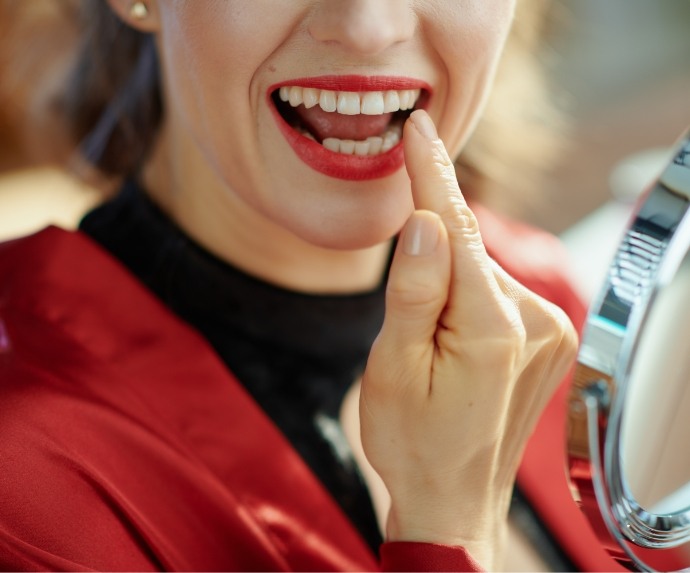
(351, 123)
(348, 127)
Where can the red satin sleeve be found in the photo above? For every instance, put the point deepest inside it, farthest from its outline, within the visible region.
(412, 556)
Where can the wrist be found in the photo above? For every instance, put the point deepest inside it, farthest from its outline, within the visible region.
(480, 528)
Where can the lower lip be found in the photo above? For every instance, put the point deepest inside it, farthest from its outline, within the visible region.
(339, 165)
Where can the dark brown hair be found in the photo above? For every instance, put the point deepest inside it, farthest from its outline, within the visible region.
(114, 106)
(113, 99)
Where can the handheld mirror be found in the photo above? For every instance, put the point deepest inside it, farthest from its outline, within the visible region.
(629, 406)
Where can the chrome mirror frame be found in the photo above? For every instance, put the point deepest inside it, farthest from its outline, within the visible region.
(655, 244)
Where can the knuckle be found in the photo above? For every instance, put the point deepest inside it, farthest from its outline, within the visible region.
(517, 335)
(460, 219)
(509, 321)
(559, 321)
(559, 331)
(542, 329)
(502, 339)
(570, 341)
(442, 161)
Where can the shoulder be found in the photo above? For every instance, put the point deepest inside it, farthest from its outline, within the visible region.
(93, 413)
(56, 410)
(75, 322)
(62, 289)
(59, 259)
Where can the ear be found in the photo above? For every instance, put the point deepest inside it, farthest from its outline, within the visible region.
(141, 15)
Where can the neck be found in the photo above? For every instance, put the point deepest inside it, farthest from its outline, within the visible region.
(225, 225)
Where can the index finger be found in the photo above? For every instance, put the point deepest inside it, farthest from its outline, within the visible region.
(435, 188)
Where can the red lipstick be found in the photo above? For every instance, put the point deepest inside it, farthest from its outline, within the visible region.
(355, 83)
(340, 165)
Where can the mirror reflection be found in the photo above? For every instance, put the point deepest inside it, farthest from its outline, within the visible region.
(654, 453)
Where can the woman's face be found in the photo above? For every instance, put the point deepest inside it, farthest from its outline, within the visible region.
(326, 164)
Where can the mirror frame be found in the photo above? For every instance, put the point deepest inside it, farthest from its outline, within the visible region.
(655, 243)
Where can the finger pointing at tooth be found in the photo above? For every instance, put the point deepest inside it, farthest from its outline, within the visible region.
(435, 187)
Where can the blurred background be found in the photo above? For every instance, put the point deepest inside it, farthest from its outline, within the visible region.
(620, 69)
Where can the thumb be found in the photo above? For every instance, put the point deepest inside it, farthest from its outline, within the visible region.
(418, 285)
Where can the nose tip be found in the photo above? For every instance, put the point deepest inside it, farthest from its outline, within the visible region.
(366, 27)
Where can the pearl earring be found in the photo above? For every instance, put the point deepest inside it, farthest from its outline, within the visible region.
(138, 10)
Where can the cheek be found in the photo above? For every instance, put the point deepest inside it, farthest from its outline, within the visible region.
(210, 57)
(213, 50)
(475, 28)
(469, 36)
(225, 41)
(219, 30)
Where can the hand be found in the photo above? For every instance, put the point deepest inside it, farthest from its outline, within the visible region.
(465, 362)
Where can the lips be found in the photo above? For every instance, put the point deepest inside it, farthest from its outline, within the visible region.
(348, 127)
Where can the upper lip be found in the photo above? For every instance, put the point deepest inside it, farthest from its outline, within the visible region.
(355, 83)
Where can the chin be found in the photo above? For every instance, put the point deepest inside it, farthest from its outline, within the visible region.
(348, 241)
(333, 213)
(355, 231)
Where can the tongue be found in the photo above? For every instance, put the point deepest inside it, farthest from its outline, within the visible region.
(323, 124)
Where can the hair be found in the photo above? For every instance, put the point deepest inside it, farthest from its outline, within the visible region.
(113, 99)
(114, 107)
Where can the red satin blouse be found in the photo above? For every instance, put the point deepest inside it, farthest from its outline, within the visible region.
(125, 444)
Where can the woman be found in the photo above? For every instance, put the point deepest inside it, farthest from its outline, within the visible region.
(261, 199)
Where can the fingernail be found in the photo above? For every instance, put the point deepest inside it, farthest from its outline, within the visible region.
(421, 235)
(424, 125)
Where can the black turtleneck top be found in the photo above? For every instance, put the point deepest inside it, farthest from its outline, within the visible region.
(297, 354)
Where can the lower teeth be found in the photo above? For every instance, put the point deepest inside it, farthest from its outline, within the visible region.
(370, 146)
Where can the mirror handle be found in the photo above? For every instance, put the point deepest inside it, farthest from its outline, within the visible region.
(596, 399)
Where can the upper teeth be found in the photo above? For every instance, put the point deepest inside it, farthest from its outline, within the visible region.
(350, 103)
